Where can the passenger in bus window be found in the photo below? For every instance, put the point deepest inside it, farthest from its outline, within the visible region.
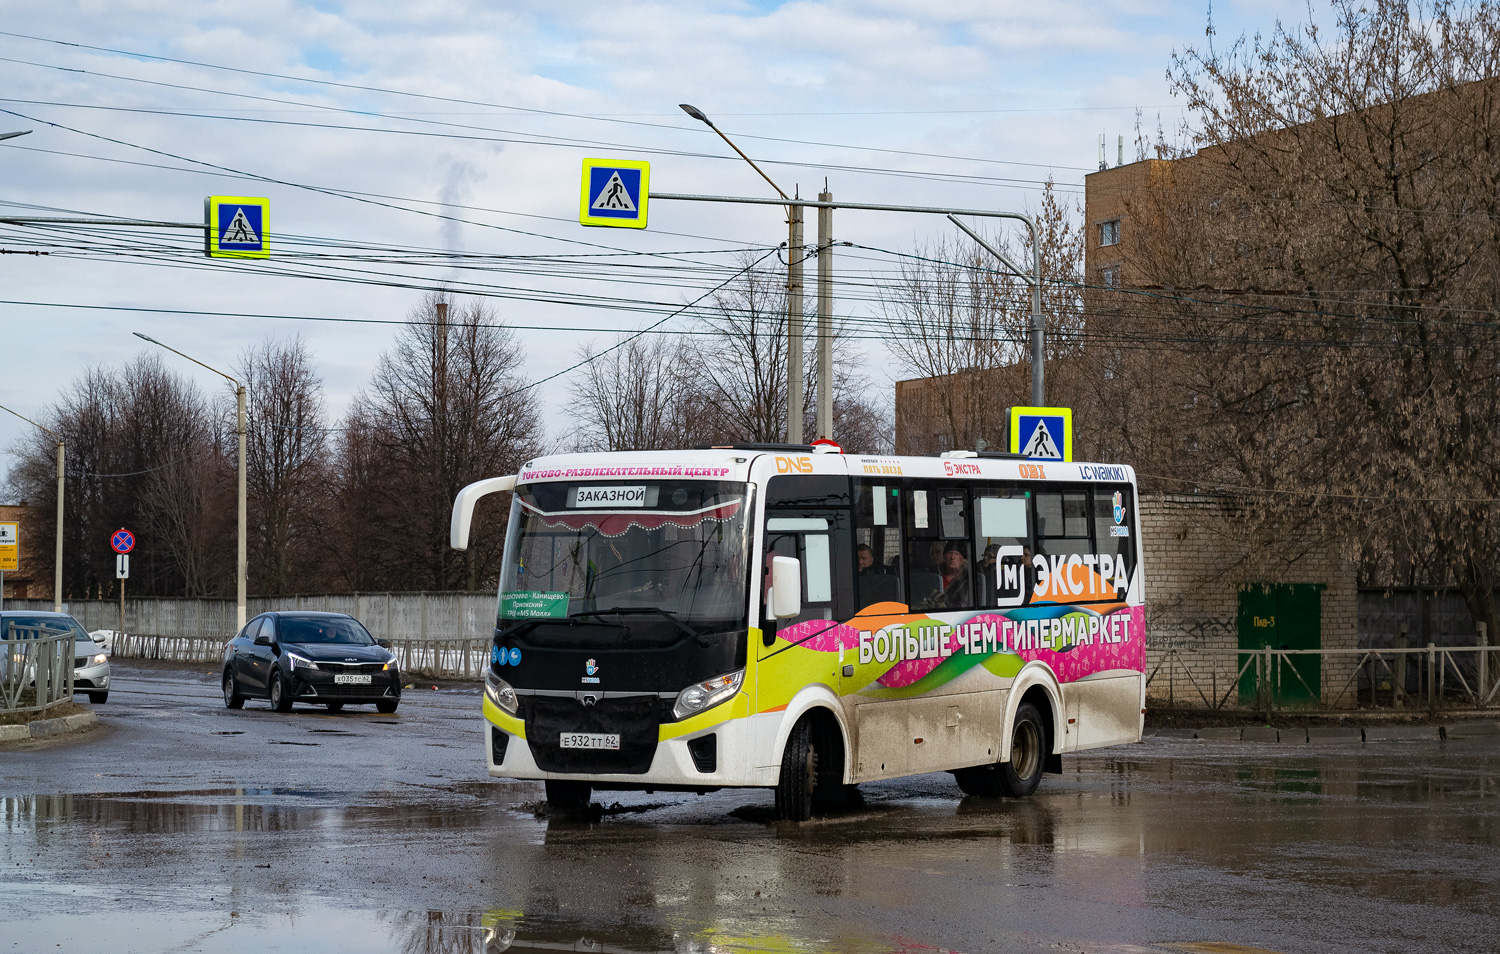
(875, 585)
(987, 579)
(958, 580)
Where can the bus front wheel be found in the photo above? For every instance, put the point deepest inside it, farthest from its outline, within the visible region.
(799, 775)
(1019, 776)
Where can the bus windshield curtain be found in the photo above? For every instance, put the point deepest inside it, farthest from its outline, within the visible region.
(615, 523)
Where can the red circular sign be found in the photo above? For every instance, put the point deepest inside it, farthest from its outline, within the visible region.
(123, 541)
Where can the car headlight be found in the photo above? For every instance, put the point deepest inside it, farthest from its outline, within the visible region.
(500, 693)
(98, 660)
(705, 695)
(297, 661)
(390, 664)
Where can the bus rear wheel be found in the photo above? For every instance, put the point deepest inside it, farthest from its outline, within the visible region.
(1019, 776)
(565, 795)
(799, 775)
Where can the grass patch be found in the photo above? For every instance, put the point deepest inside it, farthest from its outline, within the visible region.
(54, 711)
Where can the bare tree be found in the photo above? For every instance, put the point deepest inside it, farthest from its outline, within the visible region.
(1320, 274)
(287, 467)
(632, 396)
(735, 374)
(142, 454)
(958, 315)
(447, 405)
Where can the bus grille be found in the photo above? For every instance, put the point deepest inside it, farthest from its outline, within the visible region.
(634, 718)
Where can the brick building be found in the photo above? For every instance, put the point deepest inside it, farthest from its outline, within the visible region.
(1211, 591)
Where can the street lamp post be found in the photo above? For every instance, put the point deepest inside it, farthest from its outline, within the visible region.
(12, 135)
(57, 569)
(239, 400)
(794, 302)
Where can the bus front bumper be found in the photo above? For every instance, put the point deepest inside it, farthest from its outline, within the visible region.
(737, 746)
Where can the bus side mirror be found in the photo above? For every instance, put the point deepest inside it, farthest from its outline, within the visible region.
(786, 587)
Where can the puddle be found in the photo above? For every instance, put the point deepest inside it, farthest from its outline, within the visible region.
(1118, 850)
(247, 931)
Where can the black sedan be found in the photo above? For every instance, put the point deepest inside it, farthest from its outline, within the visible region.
(323, 658)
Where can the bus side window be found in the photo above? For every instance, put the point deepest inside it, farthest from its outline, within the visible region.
(1114, 525)
(811, 540)
(939, 560)
(877, 550)
(1002, 537)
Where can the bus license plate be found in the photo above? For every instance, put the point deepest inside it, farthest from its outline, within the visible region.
(591, 740)
(351, 679)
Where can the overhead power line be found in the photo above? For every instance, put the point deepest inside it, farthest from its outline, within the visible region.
(502, 106)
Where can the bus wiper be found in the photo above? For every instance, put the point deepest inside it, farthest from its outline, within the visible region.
(638, 610)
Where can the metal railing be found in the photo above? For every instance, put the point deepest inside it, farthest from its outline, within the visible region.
(36, 669)
(1445, 677)
(463, 658)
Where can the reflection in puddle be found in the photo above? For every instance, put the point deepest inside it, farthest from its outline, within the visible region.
(1120, 850)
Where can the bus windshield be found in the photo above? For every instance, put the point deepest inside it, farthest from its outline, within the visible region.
(671, 552)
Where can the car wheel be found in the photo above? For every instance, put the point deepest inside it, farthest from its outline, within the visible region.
(98, 697)
(387, 705)
(334, 706)
(1019, 776)
(565, 795)
(799, 775)
(281, 700)
(232, 697)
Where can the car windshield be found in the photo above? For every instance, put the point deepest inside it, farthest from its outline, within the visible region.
(674, 551)
(17, 626)
(295, 629)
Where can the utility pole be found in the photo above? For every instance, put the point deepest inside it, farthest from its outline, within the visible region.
(825, 315)
(794, 335)
(241, 561)
(794, 394)
(825, 276)
(57, 565)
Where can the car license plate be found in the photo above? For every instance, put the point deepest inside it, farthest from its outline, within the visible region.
(351, 679)
(591, 740)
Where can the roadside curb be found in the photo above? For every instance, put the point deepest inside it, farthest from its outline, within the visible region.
(1333, 734)
(43, 728)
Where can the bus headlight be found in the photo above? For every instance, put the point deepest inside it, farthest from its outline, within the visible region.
(705, 695)
(500, 693)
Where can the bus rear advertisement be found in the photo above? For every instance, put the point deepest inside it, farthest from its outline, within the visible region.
(801, 620)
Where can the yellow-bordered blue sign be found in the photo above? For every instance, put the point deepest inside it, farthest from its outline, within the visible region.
(236, 226)
(614, 193)
(1042, 432)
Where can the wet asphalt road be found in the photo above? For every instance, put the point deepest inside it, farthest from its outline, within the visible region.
(181, 826)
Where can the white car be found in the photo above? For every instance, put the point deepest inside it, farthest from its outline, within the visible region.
(90, 664)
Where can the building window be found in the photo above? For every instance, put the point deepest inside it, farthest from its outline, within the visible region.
(1109, 276)
(1109, 233)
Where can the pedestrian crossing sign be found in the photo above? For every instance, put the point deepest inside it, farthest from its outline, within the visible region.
(235, 226)
(614, 193)
(1045, 433)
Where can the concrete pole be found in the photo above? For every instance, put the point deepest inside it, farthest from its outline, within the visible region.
(1038, 342)
(794, 291)
(57, 568)
(240, 563)
(825, 316)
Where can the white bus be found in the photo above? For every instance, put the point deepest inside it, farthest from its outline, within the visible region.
(799, 619)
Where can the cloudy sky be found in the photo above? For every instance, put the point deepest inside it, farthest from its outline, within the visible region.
(409, 144)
